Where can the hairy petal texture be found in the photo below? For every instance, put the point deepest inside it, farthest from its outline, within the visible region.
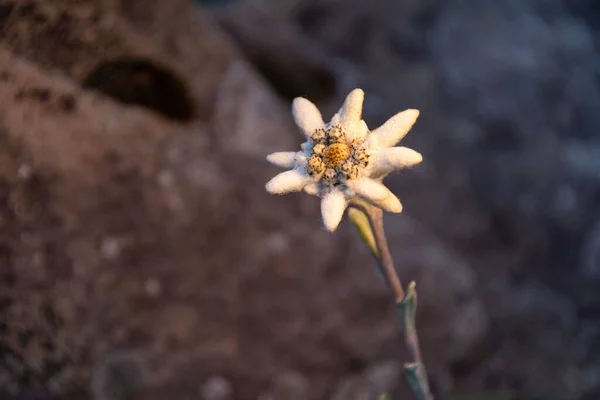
(359, 131)
(393, 130)
(283, 159)
(333, 206)
(312, 189)
(307, 116)
(351, 110)
(349, 116)
(377, 194)
(393, 158)
(355, 178)
(288, 181)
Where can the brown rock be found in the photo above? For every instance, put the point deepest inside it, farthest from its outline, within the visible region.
(293, 65)
(127, 227)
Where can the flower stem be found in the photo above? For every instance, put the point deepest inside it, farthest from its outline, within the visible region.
(406, 302)
(375, 216)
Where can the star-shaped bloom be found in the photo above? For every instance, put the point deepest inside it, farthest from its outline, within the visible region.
(342, 160)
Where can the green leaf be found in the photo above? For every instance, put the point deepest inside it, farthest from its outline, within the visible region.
(360, 220)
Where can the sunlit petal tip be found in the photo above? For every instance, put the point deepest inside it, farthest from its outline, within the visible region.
(417, 159)
(283, 159)
(288, 181)
(333, 206)
(395, 128)
(378, 194)
(397, 157)
(351, 111)
(392, 204)
(307, 116)
(370, 189)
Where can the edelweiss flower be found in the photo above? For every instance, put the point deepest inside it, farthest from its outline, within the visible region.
(343, 160)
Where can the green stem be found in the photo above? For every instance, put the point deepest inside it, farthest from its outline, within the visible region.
(375, 216)
(406, 303)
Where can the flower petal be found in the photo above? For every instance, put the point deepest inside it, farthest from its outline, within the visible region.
(333, 206)
(351, 111)
(283, 159)
(312, 189)
(335, 120)
(376, 193)
(390, 204)
(393, 130)
(361, 131)
(356, 131)
(288, 181)
(307, 146)
(393, 158)
(307, 116)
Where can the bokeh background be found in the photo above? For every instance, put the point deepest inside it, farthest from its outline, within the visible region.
(141, 258)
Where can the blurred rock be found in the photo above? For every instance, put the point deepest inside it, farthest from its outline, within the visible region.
(289, 61)
(118, 376)
(216, 388)
(289, 385)
(377, 380)
(508, 95)
(103, 190)
(526, 75)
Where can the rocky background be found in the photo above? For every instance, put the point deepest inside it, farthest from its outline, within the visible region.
(141, 258)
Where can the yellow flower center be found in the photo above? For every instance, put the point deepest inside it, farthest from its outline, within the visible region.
(335, 155)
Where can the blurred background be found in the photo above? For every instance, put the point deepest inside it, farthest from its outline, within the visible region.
(141, 258)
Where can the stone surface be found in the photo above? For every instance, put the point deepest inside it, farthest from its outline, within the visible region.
(508, 95)
(279, 51)
(132, 227)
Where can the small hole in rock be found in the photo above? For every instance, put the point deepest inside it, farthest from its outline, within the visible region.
(144, 83)
(5, 11)
(27, 10)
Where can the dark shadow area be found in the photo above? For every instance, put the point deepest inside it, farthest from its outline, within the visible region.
(321, 83)
(144, 83)
(285, 58)
(5, 12)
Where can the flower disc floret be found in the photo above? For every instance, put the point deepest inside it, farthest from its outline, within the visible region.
(335, 155)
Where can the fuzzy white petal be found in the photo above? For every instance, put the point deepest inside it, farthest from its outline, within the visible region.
(283, 159)
(361, 132)
(356, 131)
(393, 158)
(300, 160)
(333, 206)
(390, 204)
(307, 116)
(376, 193)
(351, 111)
(288, 181)
(312, 189)
(393, 130)
(335, 120)
(307, 147)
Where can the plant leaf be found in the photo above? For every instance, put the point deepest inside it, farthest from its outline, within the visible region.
(360, 220)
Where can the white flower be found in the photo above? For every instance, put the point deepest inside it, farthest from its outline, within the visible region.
(343, 160)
